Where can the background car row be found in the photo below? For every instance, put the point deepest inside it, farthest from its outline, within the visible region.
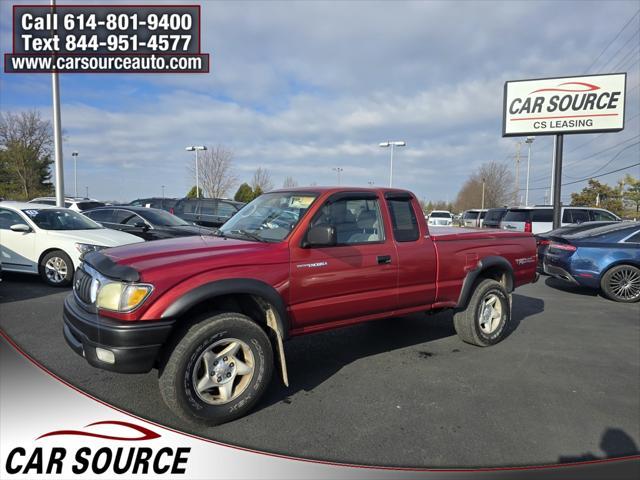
(536, 219)
(50, 241)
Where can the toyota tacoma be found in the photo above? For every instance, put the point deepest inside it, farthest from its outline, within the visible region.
(211, 313)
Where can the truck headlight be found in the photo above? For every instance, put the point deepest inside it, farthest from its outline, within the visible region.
(122, 297)
(85, 248)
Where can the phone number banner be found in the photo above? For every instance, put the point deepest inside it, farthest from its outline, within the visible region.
(108, 39)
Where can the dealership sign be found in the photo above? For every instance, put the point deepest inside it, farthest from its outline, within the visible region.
(553, 106)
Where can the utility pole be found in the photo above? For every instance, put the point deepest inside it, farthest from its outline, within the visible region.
(483, 182)
(516, 195)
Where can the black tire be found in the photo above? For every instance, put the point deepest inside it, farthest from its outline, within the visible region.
(60, 258)
(467, 322)
(628, 274)
(177, 375)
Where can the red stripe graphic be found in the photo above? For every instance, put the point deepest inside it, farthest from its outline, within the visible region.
(146, 433)
(589, 88)
(566, 116)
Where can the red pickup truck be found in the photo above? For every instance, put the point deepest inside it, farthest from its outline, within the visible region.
(211, 313)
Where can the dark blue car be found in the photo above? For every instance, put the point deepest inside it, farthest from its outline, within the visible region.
(605, 258)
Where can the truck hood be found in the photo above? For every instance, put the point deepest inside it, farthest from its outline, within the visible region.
(100, 236)
(193, 254)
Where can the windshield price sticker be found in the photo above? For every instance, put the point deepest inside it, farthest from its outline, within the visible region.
(68, 37)
(553, 106)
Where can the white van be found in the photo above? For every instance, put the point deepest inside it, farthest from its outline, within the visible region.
(540, 219)
(474, 217)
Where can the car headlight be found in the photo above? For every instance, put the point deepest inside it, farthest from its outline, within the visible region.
(122, 297)
(85, 248)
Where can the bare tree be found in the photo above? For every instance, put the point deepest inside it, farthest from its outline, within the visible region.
(215, 172)
(261, 181)
(289, 182)
(26, 142)
(498, 187)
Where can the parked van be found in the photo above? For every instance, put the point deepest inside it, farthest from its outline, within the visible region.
(540, 219)
(474, 217)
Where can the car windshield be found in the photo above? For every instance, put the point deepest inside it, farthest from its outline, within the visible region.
(440, 215)
(160, 217)
(60, 219)
(270, 217)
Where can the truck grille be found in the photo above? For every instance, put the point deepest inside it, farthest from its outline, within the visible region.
(82, 286)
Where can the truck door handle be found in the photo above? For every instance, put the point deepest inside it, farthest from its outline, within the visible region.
(384, 259)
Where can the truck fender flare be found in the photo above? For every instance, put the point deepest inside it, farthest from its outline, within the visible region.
(218, 288)
(483, 265)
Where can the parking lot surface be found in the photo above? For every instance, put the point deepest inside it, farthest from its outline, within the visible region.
(406, 391)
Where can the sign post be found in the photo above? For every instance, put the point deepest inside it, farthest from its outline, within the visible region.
(559, 106)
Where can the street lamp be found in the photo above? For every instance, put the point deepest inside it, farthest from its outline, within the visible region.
(196, 148)
(483, 183)
(528, 141)
(86, 191)
(338, 170)
(75, 173)
(162, 186)
(392, 145)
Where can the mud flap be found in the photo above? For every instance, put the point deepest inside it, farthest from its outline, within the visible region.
(273, 325)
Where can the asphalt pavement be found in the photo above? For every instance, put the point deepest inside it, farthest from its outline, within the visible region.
(564, 386)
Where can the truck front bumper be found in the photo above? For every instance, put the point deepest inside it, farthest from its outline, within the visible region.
(118, 346)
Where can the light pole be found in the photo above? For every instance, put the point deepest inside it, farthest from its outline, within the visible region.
(392, 145)
(528, 141)
(75, 173)
(86, 192)
(338, 170)
(162, 186)
(196, 148)
(483, 182)
(57, 132)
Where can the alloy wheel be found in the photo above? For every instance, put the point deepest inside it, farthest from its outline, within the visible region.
(223, 371)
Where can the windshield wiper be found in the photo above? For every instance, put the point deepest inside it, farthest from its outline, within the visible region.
(248, 234)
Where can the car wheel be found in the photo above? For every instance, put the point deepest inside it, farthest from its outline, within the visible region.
(218, 370)
(485, 320)
(56, 269)
(622, 283)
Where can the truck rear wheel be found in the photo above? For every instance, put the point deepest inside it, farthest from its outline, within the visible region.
(485, 319)
(218, 370)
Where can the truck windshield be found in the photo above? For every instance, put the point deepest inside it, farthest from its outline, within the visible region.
(270, 217)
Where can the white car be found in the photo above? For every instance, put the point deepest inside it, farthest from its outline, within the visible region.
(440, 218)
(76, 204)
(50, 241)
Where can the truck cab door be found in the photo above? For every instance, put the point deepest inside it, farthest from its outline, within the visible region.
(355, 277)
(417, 261)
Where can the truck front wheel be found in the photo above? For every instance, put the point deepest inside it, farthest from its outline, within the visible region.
(485, 319)
(218, 370)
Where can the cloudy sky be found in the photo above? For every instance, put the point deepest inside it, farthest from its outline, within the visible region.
(302, 87)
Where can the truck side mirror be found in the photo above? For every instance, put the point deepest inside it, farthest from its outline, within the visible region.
(320, 236)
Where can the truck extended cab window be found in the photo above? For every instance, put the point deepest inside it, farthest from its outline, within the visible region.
(403, 218)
